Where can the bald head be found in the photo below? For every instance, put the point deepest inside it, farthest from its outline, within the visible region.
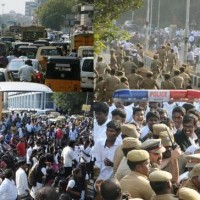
(111, 189)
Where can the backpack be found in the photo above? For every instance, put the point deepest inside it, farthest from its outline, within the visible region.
(32, 175)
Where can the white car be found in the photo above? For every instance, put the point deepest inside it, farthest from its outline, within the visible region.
(87, 73)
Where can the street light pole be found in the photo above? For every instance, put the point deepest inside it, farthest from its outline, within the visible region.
(158, 25)
(151, 16)
(147, 26)
(186, 30)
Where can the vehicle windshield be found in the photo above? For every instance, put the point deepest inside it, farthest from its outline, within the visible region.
(88, 65)
(51, 52)
(15, 65)
(87, 53)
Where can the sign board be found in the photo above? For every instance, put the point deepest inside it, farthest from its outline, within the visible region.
(86, 107)
(158, 95)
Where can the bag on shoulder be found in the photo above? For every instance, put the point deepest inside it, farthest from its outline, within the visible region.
(32, 176)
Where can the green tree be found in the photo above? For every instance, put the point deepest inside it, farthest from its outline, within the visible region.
(52, 13)
(105, 12)
(72, 101)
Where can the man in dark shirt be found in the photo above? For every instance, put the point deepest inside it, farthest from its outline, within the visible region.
(186, 137)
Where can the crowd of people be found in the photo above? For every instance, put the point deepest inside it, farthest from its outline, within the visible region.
(37, 152)
(126, 70)
(147, 150)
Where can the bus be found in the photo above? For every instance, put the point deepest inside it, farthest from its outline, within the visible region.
(63, 74)
(32, 33)
(15, 29)
(82, 39)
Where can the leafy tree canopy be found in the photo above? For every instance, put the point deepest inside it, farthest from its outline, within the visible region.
(52, 13)
(105, 12)
(72, 101)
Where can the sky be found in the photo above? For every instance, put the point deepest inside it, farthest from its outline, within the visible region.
(17, 5)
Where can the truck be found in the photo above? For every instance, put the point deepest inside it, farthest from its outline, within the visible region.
(82, 39)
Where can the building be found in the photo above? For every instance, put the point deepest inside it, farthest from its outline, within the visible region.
(30, 101)
(30, 7)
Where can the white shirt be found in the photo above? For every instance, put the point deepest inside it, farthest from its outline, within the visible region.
(21, 182)
(8, 190)
(68, 156)
(144, 131)
(87, 151)
(100, 131)
(29, 127)
(102, 152)
(128, 110)
(28, 154)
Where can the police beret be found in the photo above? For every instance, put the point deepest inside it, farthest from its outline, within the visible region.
(160, 176)
(167, 138)
(137, 155)
(153, 145)
(130, 142)
(195, 171)
(188, 194)
(157, 128)
(129, 130)
(192, 160)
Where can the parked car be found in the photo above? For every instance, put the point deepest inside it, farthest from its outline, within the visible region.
(87, 73)
(15, 64)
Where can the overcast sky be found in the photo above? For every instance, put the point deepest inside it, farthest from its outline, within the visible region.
(17, 5)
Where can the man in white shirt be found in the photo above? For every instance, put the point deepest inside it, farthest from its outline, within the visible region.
(22, 180)
(105, 150)
(68, 157)
(152, 118)
(26, 72)
(8, 190)
(101, 110)
(119, 104)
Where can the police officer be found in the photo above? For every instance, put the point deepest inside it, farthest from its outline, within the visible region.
(149, 82)
(160, 182)
(167, 83)
(136, 182)
(110, 82)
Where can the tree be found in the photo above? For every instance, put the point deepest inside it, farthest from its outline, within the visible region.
(52, 13)
(72, 101)
(105, 12)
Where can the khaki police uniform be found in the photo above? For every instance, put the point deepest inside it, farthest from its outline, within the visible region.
(135, 183)
(122, 168)
(134, 80)
(121, 86)
(178, 81)
(155, 67)
(142, 71)
(158, 177)
(99, 89)
(100, 67)
(171, 61)
(153, 146)
(162, 56)
(167, 85)
(186, 78)
(148, 83)
(113, 62)
(128, 130)
(109, 89)
(127, 67)
(164, 197)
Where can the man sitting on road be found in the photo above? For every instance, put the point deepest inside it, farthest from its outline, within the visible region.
(26, 72)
